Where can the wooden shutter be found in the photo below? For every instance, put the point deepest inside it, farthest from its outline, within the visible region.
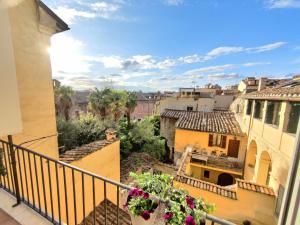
(223, 141)
(210, 140)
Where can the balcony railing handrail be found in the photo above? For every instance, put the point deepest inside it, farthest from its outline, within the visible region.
(91, 174)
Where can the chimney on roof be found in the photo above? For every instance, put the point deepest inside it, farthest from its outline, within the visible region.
(111, 134)
(262, 83)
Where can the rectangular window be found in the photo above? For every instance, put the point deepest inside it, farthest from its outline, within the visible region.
(249, 107)
(206, 173)
(273, 112)
(189, 108)
(258, 109)
(293, 117)
(217, 140)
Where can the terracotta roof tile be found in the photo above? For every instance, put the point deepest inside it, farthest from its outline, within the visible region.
(82, 151)
(289, 89)
(214, 122)
(124, 217)
(219, 190)
(247, 185)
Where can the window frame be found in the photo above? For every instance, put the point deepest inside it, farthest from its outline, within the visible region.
(276, 111)
(259, 113)
(249, 107)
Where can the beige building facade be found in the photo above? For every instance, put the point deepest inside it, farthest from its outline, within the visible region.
(30, 25)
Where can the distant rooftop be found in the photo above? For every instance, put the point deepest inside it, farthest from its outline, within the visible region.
(213, 122)
(82, 151)
(289, 90)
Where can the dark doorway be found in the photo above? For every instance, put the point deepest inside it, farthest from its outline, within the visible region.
(225, 179)
(233, 148)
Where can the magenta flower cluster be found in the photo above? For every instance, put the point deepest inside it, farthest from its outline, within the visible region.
(137, 192)
(189, 220)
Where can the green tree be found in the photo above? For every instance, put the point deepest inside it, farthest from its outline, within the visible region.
(118, 104)
(131, 103)
(68, 134)
(155, 147)
(100, 102)
(63, 101)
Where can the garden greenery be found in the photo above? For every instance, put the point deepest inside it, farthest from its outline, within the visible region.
(181, 208)
(139, 137)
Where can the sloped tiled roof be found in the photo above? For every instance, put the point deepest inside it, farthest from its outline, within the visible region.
(287, 90)
(82, 151)
(207, 186)
(124, 217)
(247, 185)
(213, 122)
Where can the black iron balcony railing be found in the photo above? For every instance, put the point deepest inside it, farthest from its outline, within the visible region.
(60, 192)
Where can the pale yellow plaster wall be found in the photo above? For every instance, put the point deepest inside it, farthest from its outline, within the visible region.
(178, 103)
(34, 79)
(197, 171)
(103, 162)
(10, 119)
(199, 140)
(275, 141)
(258, 208)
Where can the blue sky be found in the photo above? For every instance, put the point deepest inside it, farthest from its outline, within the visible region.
(167, 44)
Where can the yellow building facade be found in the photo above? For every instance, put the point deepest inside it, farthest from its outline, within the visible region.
(270, 120)
(44, 182)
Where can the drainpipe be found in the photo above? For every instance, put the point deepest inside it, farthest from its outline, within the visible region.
(14, 169)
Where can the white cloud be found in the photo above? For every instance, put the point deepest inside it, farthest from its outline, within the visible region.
(221, 76)
(69, 15)
(100, 9)
(191, 59)
(277, 4)
(251, 64)
(227, 50)
(173, 2)
(144, 62)
(104, 9)
(268, 47)
(209, 69)
(223, 51)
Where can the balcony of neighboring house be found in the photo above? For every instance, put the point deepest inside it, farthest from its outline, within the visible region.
(37, 189)
(213, 168)
(223, 162)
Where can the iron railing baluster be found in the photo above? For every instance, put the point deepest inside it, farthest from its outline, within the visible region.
(66, 194)
(43, 184)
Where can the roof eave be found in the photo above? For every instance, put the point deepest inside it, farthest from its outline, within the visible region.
(61, 25)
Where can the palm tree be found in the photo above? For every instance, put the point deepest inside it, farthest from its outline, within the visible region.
(119, 99)
(130, 104)
(100, 102)
(63, 101)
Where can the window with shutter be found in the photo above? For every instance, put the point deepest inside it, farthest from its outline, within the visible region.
(223, 143)
(210, 140)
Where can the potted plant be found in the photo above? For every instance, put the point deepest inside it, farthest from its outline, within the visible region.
(141, 207)
(180, 208)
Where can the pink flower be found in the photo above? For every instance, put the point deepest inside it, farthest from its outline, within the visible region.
(145, 215)
(146, 195)
(189, 220)
(168, 215)
(190, 201)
